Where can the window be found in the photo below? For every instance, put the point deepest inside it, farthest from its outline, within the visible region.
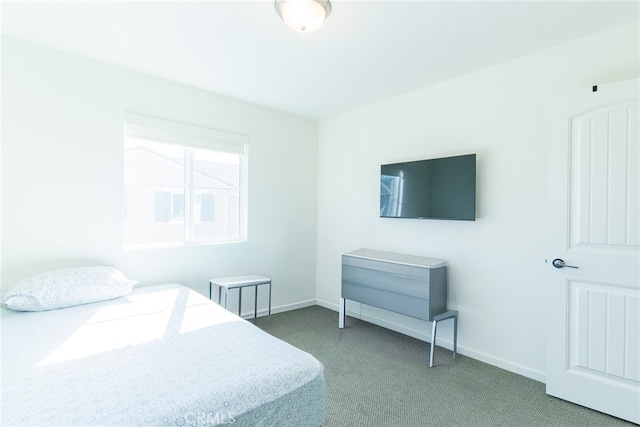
(183, 184)
(207, 207)
(168, 206)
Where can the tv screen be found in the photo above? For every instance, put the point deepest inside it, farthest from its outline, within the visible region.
(443, 188)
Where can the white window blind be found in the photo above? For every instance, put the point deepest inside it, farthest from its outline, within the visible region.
(151, 128)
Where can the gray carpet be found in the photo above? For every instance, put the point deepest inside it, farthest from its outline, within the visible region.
(377, 377)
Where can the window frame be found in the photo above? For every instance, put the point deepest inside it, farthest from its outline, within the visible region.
(192, 138)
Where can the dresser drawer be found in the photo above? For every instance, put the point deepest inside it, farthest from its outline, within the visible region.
(414, 290)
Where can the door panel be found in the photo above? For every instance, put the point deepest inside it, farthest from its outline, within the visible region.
(593, 326)
(604, 194)
(601, 322)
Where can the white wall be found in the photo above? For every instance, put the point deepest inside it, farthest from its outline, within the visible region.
(62, 176)
(62, 188)
(497, 270)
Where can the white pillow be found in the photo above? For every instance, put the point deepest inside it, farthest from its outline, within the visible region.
(65, 288)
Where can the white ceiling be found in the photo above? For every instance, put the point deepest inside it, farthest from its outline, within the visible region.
(366, 52)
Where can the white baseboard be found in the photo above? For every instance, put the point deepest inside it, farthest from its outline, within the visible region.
(442, 342)
(248, 314)
(295, 306)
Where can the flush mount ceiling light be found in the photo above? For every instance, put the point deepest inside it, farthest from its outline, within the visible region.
(303, 16)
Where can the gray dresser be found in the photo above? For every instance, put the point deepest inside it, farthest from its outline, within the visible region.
(411, 285)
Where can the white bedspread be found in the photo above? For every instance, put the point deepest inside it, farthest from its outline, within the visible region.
(161, 356)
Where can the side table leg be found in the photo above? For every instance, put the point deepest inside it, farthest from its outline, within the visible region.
(240, 302)
(255, 306)
(342, 313)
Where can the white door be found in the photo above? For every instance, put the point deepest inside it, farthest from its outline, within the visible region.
(593, 318)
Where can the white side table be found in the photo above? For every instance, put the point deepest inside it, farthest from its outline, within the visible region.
(239, 282)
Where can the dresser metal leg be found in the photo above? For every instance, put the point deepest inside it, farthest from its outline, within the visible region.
(434, 326)
(446, 315)
(455, 334)
(342, 313)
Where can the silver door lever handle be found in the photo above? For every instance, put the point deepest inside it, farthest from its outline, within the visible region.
(559, 263)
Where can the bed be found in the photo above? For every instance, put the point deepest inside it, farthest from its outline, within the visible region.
(158, 356)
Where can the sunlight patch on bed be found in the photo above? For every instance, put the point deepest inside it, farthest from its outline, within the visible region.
(138, 319)
(201, 316)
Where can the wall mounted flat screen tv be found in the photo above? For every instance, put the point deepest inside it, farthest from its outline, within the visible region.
(443, 188)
